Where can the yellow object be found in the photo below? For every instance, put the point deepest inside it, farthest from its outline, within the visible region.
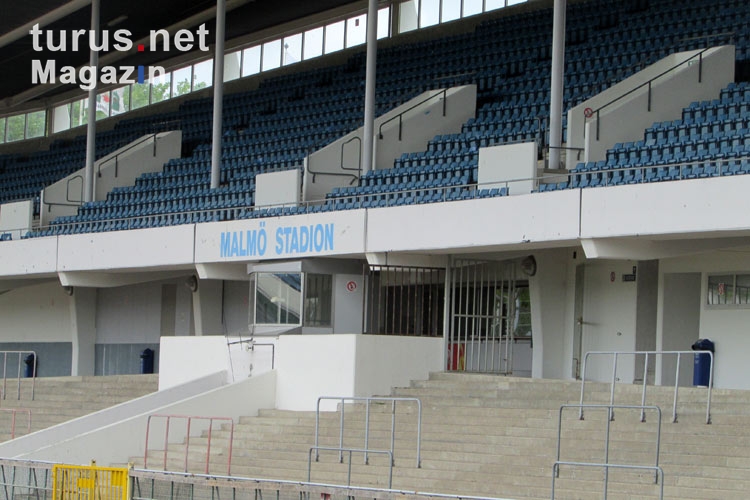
(82, 482)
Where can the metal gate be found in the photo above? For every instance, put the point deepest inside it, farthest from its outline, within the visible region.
(74, 482)
(482, 313)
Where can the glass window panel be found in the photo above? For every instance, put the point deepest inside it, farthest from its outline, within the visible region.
(2, 130)
(60, 118)
(384, 23)
(203, 74)
(721, 289)
(313, 43)
(102, 105)
(318, 299)
(36, 124)
(356, 30)
(451, 10)
(493, 4)
(120, 101)
(292, 49)
(78, 113)
(181, 81)
(334, 37)
(472, 7)
(742, 288)
(160, 88)
(139, 95)
(429, 13)
(408, 13)
(16, 128)
(277, 299)
(232, 66)
(251, 61)
(271, 55)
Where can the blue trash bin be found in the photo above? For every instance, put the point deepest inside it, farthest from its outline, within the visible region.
(147, 361)
(30, 362)
(702, 363)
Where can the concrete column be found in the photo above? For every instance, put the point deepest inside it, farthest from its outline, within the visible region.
(218, 94)
(207, 308)
(83, 330)
(88, 188)
(372, 53)
(556, 86)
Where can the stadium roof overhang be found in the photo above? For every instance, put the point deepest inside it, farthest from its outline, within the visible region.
(137, 16)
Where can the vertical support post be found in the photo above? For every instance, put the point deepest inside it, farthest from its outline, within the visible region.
(583, 385)
(88, 191)
(556, 84)
(606, 451)
(393, 429)
(372, 53)
(710, 386)
(218, 94)
(643, 394)
(341, 434)
(676, 386)
(612, 389)
(367, 430)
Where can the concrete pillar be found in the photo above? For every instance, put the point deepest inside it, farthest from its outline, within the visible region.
(88, 188)
(218, 94)
(556, 85)
(83, 330)
(372, 53)
(207, 308)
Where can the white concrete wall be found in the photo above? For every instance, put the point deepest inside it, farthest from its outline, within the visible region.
(39, 313)
(311, 366)
(16, 218)
(418, 127)
(500, 164)
(182, 359)
(132, 161)
(626, 119)
(278, 188)
(473, 224)
(26, 258)
(129, 314)
(168, 246)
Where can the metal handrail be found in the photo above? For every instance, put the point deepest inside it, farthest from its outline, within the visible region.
(368, 400)
(116, 157)
(189, 419)
(14, 412)
(253, 344)
(606, 464)
(443, 92)
(314, 173)
(699, 55)
(18, 376)
(359, 155)
(350, 450)
(615, 355)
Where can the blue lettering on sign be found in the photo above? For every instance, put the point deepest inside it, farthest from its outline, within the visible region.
(289, 240)
(304, 239)
(249, 243)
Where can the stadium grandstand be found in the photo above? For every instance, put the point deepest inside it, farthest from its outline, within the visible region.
(452, 249)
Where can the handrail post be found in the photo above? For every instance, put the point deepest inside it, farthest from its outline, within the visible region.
(676, 386)
(400, 125)
(317, 430)
(583, 382)
(419, 434)
(166, 443)
(559, 439)
(231, 446)
(145, 452)
(643, 394)
(700, 67)
(33, 378)
(208, 444)
(367, 430)
(710, 386)
(612, 388)
(18, 379)
(597, 124)
(187, 443)
(606, 449)
(445, 99)
(393, 429)
(341, 433)
(5, 378)
(658, 442)
(648, 108)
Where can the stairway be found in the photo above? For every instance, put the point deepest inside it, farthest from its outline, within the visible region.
(488, 435)
(58, 399)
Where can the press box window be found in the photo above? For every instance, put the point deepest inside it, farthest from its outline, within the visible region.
(281, 299)
(728, 290)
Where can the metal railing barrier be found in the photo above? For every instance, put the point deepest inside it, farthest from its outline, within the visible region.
(350, 451)
(368, 400)
(20, 354)
(116, 157)
(189, 420)
(157, 485)
(76, 482)
(252, 345)
(606, 464)
(616, 354)
(13, 412)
